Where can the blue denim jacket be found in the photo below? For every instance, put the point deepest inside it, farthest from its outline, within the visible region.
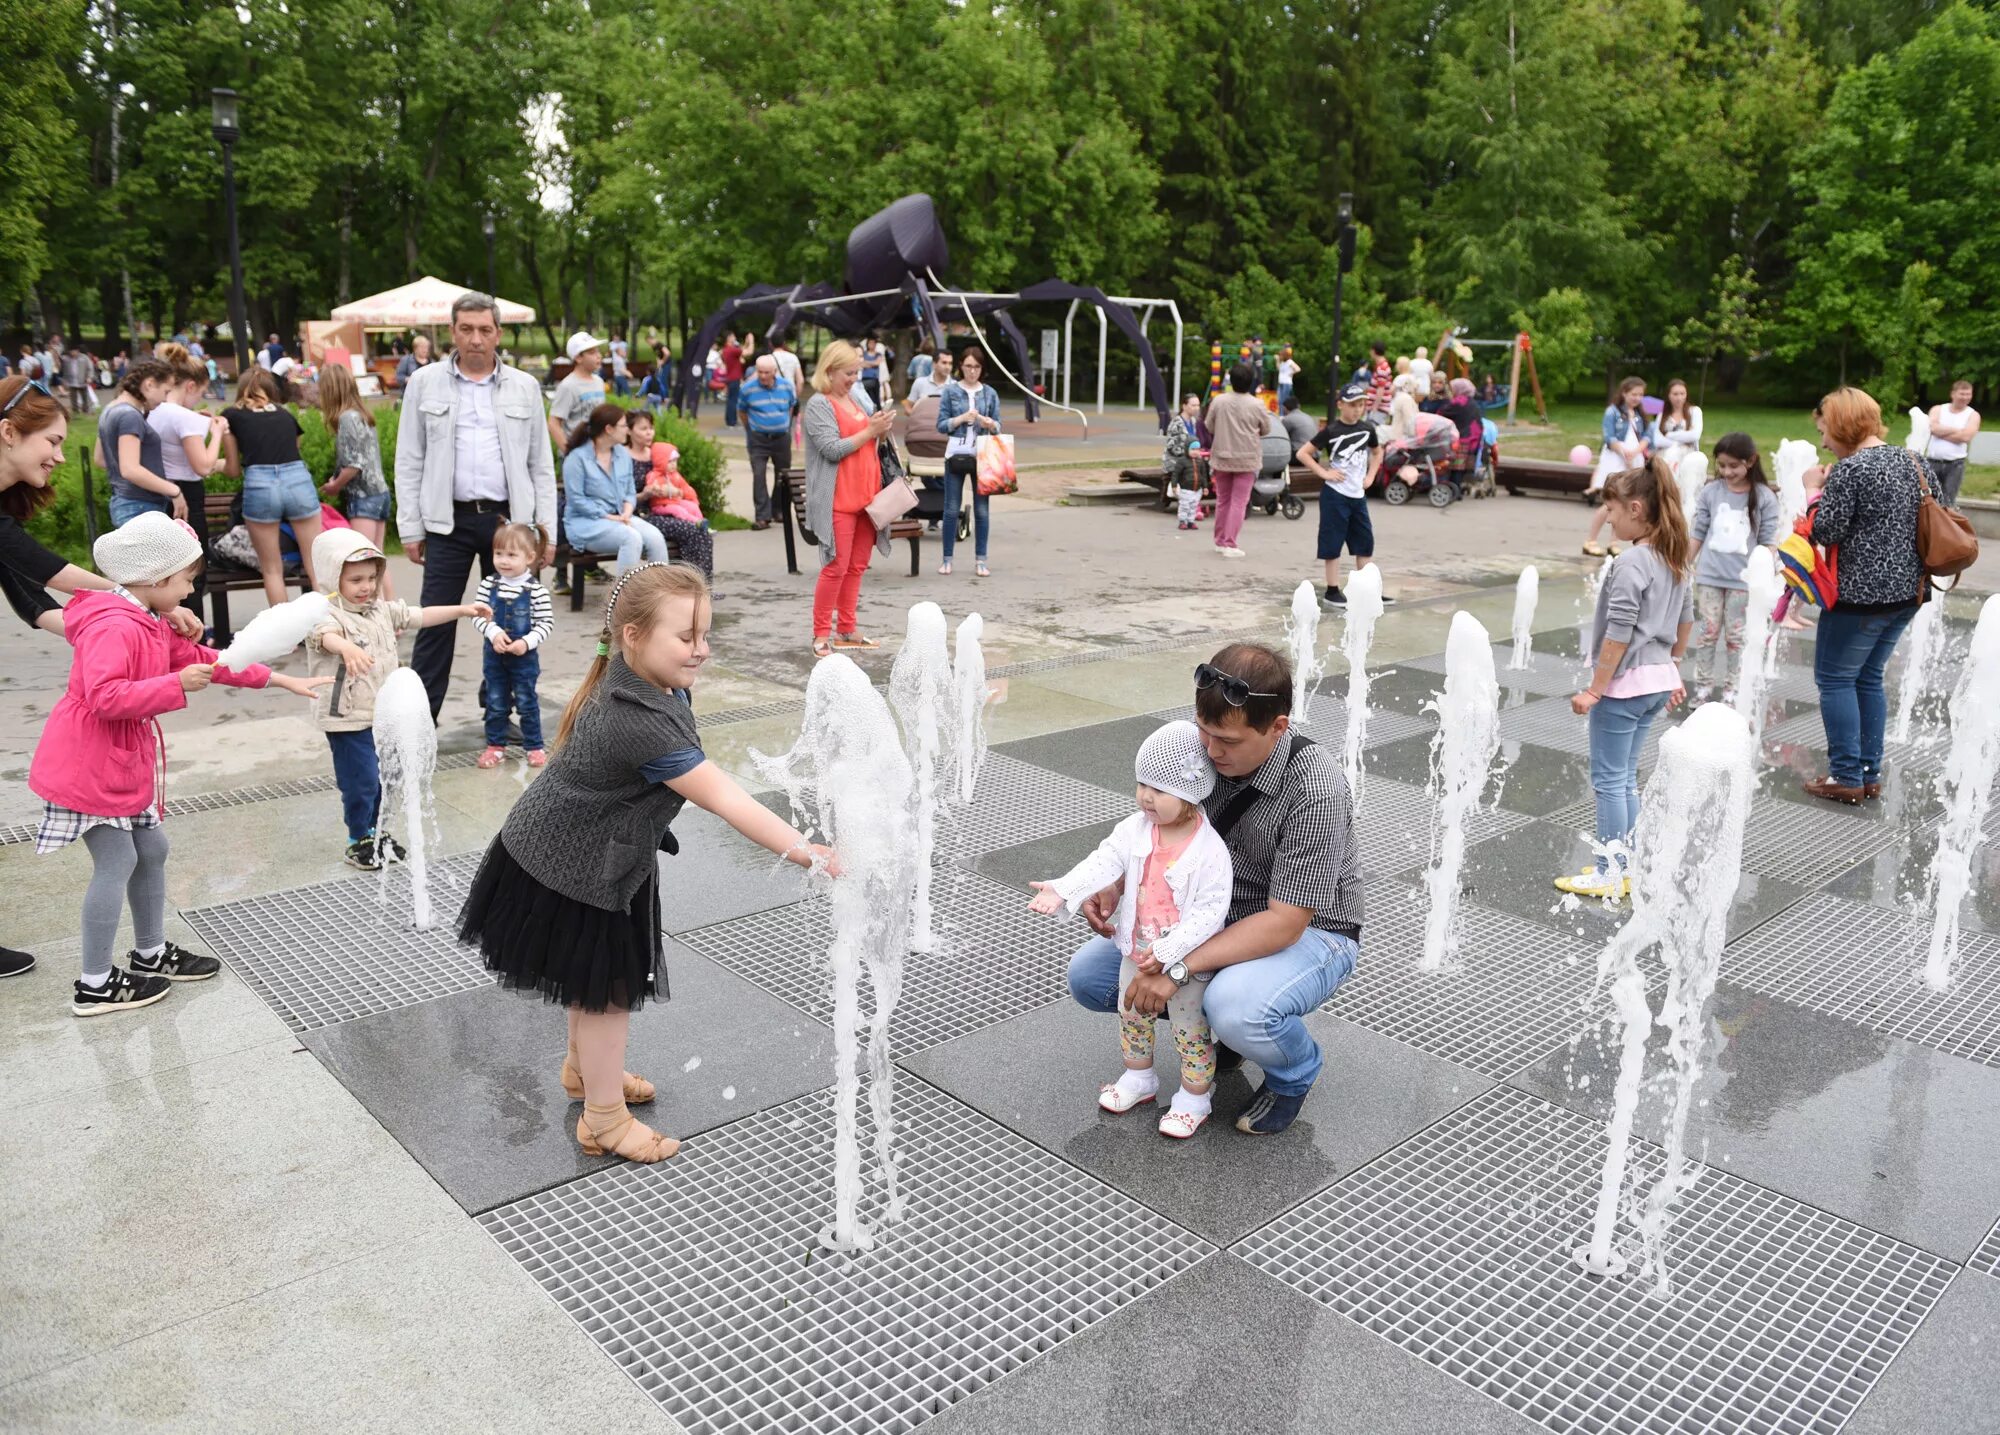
(955, 401)
(1618, 428)
(589, 493)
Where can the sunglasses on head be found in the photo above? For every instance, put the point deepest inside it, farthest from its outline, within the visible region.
(22, 392)
(1234, 690)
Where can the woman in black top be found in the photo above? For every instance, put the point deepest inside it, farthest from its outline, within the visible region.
(263, 447)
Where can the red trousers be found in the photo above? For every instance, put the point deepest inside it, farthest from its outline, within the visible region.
(838, 590)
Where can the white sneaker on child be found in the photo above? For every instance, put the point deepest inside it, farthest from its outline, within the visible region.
(1134, 1088)
(1186, 1115)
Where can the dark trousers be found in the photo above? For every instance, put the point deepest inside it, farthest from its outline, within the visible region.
(510, 687)
(734, 392)
(359, 777)
(765, 449)
(196, 494)
(448, 562)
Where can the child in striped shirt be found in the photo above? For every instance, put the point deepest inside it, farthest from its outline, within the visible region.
(521, 622)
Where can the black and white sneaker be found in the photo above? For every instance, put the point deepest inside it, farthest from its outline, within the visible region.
(1334, 601)
(388, 849)
(175, 964)
(122, 991)
(361, 853)
(13, 963)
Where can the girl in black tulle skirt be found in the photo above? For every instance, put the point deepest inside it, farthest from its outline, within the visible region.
(566, 903)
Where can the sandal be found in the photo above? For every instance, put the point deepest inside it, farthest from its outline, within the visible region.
(628, 1138)
(980, 570)
(854, 640)
(1182, 1124)
(1113, 1098)
(637, 1088)
(492, 757)
(1593, 550)
(822, 647)
(944, 568)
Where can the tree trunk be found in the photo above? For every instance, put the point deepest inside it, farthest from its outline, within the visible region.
(532, 262)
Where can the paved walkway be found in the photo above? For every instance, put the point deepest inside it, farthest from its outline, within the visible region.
(318, 1192)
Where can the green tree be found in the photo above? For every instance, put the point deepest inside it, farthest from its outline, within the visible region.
(1564, 334)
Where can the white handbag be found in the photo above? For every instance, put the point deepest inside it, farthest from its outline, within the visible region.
(896, 499)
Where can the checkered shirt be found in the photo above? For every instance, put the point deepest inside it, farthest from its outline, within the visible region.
(60, 826)
(1296, 842)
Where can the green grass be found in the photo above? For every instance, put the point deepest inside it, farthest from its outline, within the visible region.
(1578, 423)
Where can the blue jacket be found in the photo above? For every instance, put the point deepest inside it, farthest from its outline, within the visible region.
(1616, 424)
(955, 401)
(589, 493)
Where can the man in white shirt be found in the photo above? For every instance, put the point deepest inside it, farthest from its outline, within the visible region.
(1953, 426)
(472, 452)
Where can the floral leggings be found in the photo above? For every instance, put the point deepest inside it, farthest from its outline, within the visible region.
(1720, 637)
(1192, 1037)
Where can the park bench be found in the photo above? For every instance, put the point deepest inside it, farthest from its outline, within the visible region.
(790, 502)
(1544, 475)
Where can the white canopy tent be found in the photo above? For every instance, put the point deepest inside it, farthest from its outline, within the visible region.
(424, 304)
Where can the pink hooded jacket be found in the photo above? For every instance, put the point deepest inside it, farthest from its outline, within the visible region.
(99, 750)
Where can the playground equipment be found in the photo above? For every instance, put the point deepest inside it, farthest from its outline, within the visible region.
(1454, 353)
(894, 258)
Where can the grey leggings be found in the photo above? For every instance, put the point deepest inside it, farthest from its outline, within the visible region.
(127, 865)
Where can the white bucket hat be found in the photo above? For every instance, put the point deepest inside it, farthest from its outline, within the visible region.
(148, 549)
(1173, 761)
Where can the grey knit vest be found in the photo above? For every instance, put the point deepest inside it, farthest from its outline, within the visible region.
(589, 826)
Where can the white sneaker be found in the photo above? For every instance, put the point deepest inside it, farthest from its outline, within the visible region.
(1234, 552)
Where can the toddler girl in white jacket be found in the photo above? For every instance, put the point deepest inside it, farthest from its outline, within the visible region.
(1177, 875)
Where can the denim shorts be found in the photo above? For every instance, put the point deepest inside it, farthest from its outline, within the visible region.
(374, 506)
(273, 492)
(124, 510)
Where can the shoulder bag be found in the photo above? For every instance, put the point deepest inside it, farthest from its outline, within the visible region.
(1946, 544)
(897, 497)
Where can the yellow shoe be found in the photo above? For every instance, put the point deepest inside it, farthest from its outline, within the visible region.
(1600, 885)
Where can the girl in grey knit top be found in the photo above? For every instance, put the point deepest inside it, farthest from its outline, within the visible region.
(567, 900)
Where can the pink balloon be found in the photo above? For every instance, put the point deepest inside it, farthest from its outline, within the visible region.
(1580, 456)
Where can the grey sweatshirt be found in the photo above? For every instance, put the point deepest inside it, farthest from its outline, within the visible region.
(1641, 605)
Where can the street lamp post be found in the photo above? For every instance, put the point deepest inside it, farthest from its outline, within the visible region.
(1344, 241)
(223, 124)
(492, 275)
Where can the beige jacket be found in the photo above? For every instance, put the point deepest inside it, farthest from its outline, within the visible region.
(1236, 425)
(348, 705)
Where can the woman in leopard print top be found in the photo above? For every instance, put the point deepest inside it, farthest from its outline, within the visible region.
(1868, 514)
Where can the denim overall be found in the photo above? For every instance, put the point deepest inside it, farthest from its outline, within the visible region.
(510, 677)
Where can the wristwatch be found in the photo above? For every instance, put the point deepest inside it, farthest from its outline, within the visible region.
(1178, 974)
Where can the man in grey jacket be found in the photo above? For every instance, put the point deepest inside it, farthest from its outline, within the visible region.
(472, 452)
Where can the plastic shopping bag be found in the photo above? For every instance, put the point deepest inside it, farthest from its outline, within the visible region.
(996, 464)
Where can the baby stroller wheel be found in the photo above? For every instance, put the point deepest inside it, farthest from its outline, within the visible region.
(1293, 505)
(964, 523)
(1443, 492)
(1397, 492)
(1271, 508)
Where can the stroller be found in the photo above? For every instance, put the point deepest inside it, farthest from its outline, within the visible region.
(1411, 465)
(1473, 471)
(925, 447)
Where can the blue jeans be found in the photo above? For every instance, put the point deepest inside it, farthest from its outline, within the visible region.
(374, 506)
(632, 541)
(958, 471)
(359, 777)
(1848, 660)
(1256, 1007)
(1618, 728)
(510, 686)
(734, 392)
(124, 510)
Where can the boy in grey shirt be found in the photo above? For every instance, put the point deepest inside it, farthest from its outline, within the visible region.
(581, 390)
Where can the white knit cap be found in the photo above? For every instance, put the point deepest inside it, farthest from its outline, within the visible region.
(1173, 761)
(148, 549)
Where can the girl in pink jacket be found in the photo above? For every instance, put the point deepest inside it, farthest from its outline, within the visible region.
(99, 768)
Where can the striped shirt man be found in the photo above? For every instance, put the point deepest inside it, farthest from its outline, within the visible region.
(768, 410)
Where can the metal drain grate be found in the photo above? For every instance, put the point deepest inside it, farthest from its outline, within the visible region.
(1394, 828)
(1550, 674)
(699, 1276)
(1456, 1247)
(1518, 993)
(239, 796)
(1019, 802)
(332, 952)
(1548, 722)
(997, 960)
(1786, 841)
(1099, 655)
(1327, 721)
(782, 707)
(1852, 960)
(1806, 729)
(1986, 1259)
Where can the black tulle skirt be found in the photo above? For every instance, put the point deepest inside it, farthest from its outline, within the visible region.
(574, 954)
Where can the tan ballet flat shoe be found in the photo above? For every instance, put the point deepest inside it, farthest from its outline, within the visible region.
(638, 1090)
